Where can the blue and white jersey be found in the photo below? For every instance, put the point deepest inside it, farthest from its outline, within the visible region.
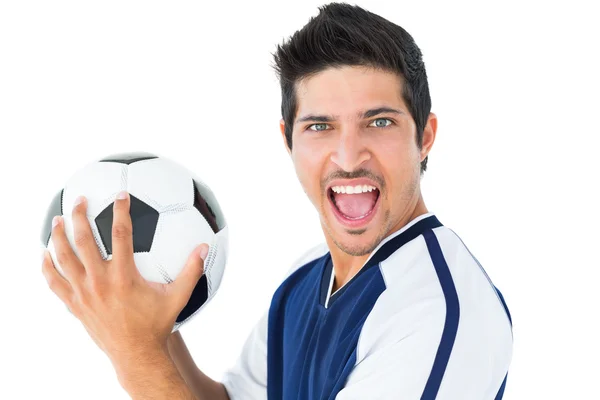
(421, 320)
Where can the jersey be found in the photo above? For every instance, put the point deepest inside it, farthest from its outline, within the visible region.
(420, 320)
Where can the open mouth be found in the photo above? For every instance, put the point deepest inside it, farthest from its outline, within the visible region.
(355, 204)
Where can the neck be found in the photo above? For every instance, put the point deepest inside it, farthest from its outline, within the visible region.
(345, 266)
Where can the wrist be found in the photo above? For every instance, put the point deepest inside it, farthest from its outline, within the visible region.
(135, 366)
(153, 375)
(172, 340)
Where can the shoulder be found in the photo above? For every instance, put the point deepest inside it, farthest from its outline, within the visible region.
(436, 288)
(440, 320)
(307, 257)
(300, 269)
(438, 265)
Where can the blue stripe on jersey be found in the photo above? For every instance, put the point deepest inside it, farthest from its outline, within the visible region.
(452, 316)
(487, 276)
(504, 304)
(501, 391)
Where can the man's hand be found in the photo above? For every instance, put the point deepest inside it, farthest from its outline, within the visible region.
(127, 316)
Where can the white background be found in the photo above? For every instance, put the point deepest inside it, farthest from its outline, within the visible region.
(513, 169)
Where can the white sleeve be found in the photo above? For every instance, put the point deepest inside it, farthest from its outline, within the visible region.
(247, 380)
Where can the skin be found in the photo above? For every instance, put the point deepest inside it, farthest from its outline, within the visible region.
(382, 147)
(128, 317)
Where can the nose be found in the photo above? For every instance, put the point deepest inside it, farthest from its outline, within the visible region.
(350, 152)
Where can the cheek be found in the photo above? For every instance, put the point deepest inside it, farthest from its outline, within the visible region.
(394, 155)
(308, 165)
(398, 160)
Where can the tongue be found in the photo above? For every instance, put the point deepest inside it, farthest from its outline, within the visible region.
(355, 205)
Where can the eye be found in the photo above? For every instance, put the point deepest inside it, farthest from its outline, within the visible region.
(318, 127)
(381, 122)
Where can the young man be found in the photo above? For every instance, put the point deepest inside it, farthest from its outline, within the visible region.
(393, 305)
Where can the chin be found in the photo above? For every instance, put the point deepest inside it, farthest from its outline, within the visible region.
(355, 242)
(357, 246)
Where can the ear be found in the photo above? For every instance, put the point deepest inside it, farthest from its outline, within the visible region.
(282, 129)
(429, 133)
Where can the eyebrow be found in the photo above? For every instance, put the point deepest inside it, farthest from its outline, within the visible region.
(367, 114)
(381, 110)
(317, 118)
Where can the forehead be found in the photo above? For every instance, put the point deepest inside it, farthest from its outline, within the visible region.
(346, 91)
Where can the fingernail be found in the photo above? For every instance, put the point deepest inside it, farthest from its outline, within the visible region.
(203, 252)
(43, 254)
(122, 195)
(78, 201)
(55, 220)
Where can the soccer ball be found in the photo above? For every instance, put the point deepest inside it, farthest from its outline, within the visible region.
(172, 212)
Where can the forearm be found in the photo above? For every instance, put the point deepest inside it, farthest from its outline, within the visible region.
(153, 376)
(201, 385)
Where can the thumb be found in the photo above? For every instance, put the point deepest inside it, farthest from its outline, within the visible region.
(187, 279)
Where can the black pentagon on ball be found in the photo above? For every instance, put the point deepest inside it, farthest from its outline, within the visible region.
(55, 208)
(197, 299)
(143, 218)
(206, 204)
(128, 158)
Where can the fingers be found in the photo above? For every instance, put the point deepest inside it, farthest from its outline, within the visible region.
(57, 283)
(65, 256)
(122, 231)
(84, 236)
(187, 279)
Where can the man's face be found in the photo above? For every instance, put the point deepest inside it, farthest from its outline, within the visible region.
(354, 150)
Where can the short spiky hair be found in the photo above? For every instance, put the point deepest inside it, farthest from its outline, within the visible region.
(343, 34)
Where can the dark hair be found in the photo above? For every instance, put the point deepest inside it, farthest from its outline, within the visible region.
(343, 34)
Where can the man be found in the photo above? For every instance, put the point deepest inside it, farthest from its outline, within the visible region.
(392, 306)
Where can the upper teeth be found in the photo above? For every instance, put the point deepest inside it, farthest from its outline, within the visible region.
(353, 189)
